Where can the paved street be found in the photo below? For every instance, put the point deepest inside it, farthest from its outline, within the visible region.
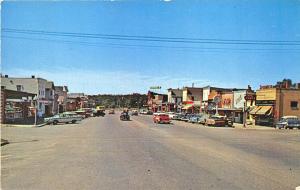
(106, 153)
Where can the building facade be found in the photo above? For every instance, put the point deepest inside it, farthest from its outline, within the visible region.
(61, 95)
(192, 99)
(30, 85)
(274, 102)
(157, 102)
(174, 100)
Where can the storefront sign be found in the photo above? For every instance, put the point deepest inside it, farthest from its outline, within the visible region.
(266, 94)
(155, 87)
(249, 97)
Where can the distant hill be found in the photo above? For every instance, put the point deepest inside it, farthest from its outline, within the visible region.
(115, 101)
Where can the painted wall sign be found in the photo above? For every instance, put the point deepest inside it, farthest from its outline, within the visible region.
(266, 94)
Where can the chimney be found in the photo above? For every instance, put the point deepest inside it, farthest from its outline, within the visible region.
(32, 76)
(6, 76)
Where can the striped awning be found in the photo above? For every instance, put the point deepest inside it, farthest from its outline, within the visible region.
(255, 109)
(263, 110)
(187, 106)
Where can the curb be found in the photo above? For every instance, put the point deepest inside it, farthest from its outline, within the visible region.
(254, 128)
(25, 126)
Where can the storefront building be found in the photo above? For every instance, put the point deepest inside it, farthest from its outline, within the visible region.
(174, 100)
(157, 102)
(243, 102)
(273, 103)
(192, 99)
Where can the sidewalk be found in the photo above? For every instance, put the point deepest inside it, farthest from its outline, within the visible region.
(17, 125)
(240, 126)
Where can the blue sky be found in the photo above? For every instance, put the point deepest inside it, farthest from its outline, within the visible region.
(97, 66)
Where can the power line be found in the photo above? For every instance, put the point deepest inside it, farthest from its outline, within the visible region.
(147, 46)
(153, 38)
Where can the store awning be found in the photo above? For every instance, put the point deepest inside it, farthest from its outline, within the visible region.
(186, 107)
(264, 110)
(255, 109)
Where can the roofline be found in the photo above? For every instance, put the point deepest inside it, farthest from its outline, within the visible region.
(29, 78)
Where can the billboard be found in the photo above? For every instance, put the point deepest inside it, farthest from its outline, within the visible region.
(239, 99)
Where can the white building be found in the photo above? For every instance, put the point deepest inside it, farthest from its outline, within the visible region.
(43, 89)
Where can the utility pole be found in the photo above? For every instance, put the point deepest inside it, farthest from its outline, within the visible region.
(245, 114)
(35, 110)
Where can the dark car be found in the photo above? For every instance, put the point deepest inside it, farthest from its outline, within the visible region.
(288, 122)
(124, 116)
(99, 113)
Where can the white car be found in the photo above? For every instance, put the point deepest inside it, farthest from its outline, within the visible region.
(66, 117)
(171, 114)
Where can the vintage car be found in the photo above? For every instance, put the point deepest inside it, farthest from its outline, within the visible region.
(99, 112)
(216, 120)
(111, 111)
(161, 118)
(88, 112)
(134, 112)
(124, 116)
(187, 117)
(288, 122)
(171, 114)
(65, 117)
(203, 119)
(194, 118)
(178, 116)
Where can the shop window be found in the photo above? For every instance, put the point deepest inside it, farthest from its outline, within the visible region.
(294, 105)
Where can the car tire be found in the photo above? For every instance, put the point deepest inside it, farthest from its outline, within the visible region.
(55, 122)
(73, 121)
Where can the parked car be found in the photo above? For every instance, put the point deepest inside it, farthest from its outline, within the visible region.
(216, 120)
(194, 119)
(171, 114)
(88, 112)
(134, 112)
(124, 116)
(149, 112)
(203, 118)
(66, 117)
(142, 111)
(111, 111)
(161, 118)
(178, 116)
(288, 122)
(186, 117)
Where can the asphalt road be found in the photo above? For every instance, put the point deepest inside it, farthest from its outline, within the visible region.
(106, 153)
